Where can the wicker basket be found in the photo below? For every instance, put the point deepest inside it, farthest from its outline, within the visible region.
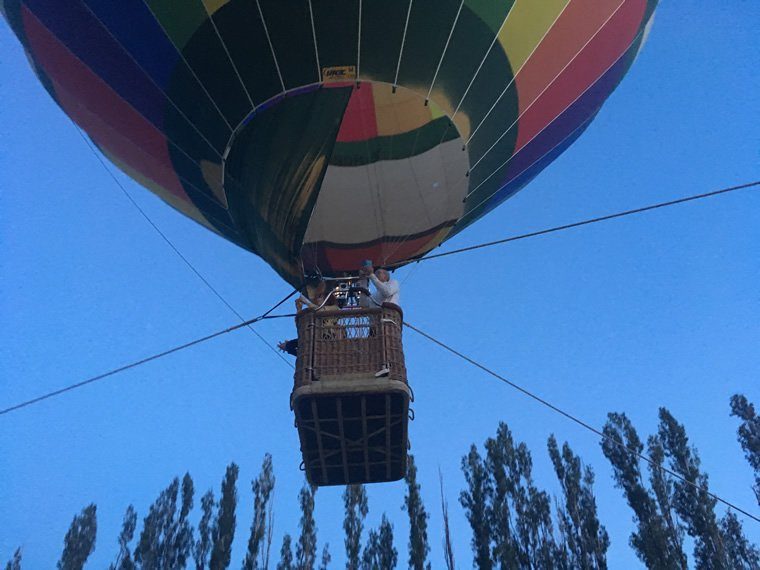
(350, 395)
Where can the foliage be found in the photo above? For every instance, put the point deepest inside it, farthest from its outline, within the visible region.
(512, 521)
(223, 529)
(380, 554)
(518, 512)
(475, 501)
(202, 546)
(124, 559)
(748, 435)
(326, 558)
(657, 540)
(257, 556)
(586, 539)
(286, 554)
(448, 548)
(79, 542)
(418, 519)
(691, 498)
(355, 503)
(740, 553)
(306, 549)
(15, 562)
(166, 540)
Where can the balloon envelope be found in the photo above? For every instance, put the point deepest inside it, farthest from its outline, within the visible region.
(319, 133)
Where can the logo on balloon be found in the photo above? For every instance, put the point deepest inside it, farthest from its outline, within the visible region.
(338, 73)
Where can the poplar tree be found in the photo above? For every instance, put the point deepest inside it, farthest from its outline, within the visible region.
(223, 529)
(740, 553)
(657, 543)
(15, 562)
(306, 549)
(691, 499)
(475, 500)
(502, 471)
(380, 554)
(662, 487)
(418, 519)
(202, 546)
(586, 538)
(519, 514)
(166, 540)
(326, 558)
(748, 435)
(257, 556)
(180, 539)
(124, 559)
(356, 509)
(79, 542)
(154, 542)
(286, 554)
(448, 548)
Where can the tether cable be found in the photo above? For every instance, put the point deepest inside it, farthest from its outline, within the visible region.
(577, 420)
(174, 248)
(587, 222)
(137, 363)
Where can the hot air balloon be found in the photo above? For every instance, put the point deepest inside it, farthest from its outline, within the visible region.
(320, 133)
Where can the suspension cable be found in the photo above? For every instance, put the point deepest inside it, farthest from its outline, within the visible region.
(578, 421)
(588, 222)
(264, 316)
(175, 249)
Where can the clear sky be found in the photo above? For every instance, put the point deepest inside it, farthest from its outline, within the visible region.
(628, 315)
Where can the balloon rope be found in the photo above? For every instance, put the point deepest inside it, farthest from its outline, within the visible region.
(579, 421)
(176, 250)
(516, 121)
(443, 53)
(483, 61)
(403, 41)
(591, 221)
(137, 363)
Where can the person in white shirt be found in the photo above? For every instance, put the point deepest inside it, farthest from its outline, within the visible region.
(387, 290)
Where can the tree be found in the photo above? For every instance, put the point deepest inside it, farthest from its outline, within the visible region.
(124, 559)
(657, 543)
(662, 487)
(286, 554)
(503, 477)
(326, 558)
(355, 503)
(418, 519)
(263, 515)
(448, 549)
(306, 549)
(79, 542)
(180, 540)
(380, 554)
(691, 498)
(586, 538)
(748, 435)
(740, 553)
(475, 503)
(202, 546)
(519, 513)
(166, 540)
(223, 530)
(15, 562)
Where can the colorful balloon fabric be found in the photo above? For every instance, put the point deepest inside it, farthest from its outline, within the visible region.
(319, 133)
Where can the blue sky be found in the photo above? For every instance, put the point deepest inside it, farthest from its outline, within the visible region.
(628, 315)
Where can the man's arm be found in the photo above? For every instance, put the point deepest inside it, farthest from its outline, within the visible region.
(306, 301)
(386, 289)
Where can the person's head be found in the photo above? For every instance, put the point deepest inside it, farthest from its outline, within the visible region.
(320, 291)
(316, 290)
(382, 275)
